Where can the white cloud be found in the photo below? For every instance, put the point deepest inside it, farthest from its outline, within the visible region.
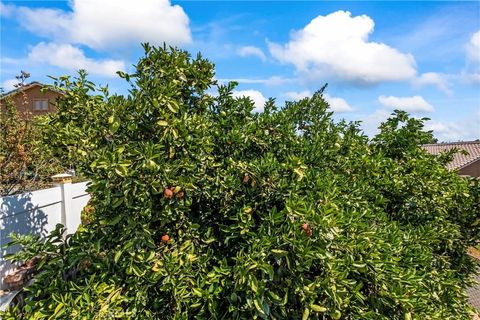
(252, 51)
(471, 77)
(410, 104)
(72, 58)
(471, 73)
(444, 131)
(462, 129)
(9, 84)
(278, 81)
(255, 95)
(336, 104)
(6, 10)
(110, 23)
(473, 47)
(294, 95)
(371, 122)
(436, 79)
(467, 128)
(337, 45)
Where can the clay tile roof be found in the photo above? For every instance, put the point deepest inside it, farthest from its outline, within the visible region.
(459, 160)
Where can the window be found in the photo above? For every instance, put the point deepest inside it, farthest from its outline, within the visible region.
(40, 104)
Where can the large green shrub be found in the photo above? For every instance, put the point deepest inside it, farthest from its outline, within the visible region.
(204, 209)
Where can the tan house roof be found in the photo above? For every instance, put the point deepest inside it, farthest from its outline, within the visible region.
(25, 87)
(460, 160)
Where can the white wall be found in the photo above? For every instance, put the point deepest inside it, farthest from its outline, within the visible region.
(38, 213)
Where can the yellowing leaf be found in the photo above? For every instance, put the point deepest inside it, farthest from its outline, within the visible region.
(317, 308)
(279, 251)
(300, 173)
(306, 313)
(172, 106)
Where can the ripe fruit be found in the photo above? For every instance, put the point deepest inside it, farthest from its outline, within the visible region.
(306, 228)
(167, 193)
(165, 238)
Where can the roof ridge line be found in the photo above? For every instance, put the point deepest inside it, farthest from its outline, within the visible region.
(451, 143)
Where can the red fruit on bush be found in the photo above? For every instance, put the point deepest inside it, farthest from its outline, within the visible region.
(165, 238)
(167, 193)
(306, 228)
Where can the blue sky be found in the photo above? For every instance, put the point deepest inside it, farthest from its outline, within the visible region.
(423, 57)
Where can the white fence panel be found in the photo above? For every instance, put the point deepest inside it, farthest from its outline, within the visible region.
(37, 213)
(79, 200)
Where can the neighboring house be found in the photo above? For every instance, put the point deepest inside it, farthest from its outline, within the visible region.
(30, 98)
(465, 164)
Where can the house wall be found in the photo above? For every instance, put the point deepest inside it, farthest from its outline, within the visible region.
(472, 169)
(31, 94)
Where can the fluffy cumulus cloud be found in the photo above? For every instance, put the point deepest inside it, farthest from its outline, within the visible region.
(410, 104)
(110, 23)
(337, 46)
(256, 96)
(471, 73)
(473, 47)
(336, 104)
(72, 58)
(252, 51)
(435, 79)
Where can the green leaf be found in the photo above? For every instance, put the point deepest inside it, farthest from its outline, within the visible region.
(306, 314)
(117, 255)
(59, 310)
(336, 315)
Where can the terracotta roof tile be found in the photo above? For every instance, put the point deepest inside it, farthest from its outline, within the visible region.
(459, 160)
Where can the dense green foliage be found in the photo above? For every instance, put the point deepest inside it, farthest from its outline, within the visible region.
(204, 209)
